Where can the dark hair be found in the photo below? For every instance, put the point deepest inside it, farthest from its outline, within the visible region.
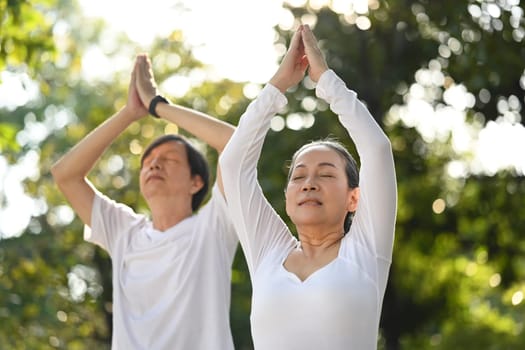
(196, 160)
(351, 169)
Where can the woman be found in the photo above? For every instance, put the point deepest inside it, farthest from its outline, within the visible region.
(325, 289)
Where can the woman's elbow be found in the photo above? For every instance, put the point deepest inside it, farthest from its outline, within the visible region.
(224, 163)
(226, 156)
(383, 145)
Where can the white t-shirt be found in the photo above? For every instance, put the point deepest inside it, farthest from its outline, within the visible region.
(171, 289)
(338, 306)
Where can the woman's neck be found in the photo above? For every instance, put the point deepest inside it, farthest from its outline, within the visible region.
(316, 241)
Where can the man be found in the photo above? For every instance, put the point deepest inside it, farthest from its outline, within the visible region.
(171, 273)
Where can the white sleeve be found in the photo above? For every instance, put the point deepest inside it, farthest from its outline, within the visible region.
(259, 227)
(221, 222)
(109, 220)
(376, 211)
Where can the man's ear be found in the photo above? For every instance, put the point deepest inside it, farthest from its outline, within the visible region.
(196, 184)
(353, 199)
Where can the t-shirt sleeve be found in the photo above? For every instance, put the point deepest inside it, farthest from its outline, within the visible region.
(109, 219)
(376, 211)
(221, 221)
(259, 227)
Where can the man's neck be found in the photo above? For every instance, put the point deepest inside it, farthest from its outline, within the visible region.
(166, 214)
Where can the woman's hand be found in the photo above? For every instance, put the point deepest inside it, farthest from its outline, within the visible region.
(316, 60)
(293, 66)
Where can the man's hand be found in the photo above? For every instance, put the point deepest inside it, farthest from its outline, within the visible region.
(145, 82)
(134, 105)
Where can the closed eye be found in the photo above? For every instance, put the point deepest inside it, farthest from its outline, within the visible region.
(148, 161)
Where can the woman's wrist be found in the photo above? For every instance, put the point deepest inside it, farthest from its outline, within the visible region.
(278, 85)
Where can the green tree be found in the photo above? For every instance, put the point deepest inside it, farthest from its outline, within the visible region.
(457, 278)
(26, 33)
(26, 43)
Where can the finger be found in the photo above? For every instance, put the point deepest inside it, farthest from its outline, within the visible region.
(142, 67)
(148, 65)
(134, 73)
(296, 41)
(304, 63)
(309, 38)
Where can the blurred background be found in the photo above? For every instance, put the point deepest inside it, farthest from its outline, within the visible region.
(445, 79)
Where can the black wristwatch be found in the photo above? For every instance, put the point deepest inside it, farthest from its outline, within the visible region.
(153, 105)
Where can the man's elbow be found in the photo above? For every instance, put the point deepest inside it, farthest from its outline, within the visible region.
(55, 171)
(58, 172)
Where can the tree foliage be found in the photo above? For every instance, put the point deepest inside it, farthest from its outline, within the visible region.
(25, 43)
(457, 279)
(26, 33)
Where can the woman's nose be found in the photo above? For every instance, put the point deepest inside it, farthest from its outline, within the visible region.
(309, 185)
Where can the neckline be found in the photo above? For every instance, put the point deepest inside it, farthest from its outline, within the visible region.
(155, 234)
(310, 276)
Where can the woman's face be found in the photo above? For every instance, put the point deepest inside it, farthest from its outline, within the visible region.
(318, 193)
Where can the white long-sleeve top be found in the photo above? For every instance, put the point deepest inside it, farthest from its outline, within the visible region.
(339, 305)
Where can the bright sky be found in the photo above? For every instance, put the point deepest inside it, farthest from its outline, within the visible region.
(235, 37)
(238, 47)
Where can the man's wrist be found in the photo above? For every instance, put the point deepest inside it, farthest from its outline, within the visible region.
(153, 105)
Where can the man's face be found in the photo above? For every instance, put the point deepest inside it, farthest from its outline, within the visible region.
(166, 172)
